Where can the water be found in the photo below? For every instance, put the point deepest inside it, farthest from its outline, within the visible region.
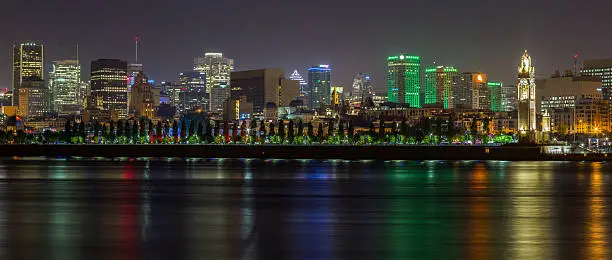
(278, 209)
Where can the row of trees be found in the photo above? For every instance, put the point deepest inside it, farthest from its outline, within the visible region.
(205, 131)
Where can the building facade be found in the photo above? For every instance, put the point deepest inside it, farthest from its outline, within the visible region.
(404, 80)
(362, 88)
(319, 86)
(33, 100)
(601, 68)
(67, 91)
(439, 86)
(509, 98)
(495, 95)
(303, 84)
(526, 96)
(217, 70)
(28, 65)
(144, 97)
(263, 86)
(109, 86)
(191, 94)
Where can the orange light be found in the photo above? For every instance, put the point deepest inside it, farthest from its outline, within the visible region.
(479, 77)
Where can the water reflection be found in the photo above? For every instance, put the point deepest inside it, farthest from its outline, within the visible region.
(530, 212)
(596, 226)
(303, 209)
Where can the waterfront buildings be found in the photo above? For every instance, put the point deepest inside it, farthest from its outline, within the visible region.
(564, 91)
(560, 97)
(601, 68)
(217, 69)
(109, 86)
(67, 91)
(526, 97)
(28, 65)
(439, 86)
(319, 86)
(191, 93)
(404, 79)
(258, 88)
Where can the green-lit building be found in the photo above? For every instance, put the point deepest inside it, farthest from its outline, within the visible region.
(439, 86)
(496, 95)
(404, 79)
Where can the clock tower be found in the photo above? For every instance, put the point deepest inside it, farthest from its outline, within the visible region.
(526, 98)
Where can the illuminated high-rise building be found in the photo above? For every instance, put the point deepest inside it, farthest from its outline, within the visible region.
(303, 84)
(439, 86)
(28, 65)
(601, 68)
(362, 88)
(263, 86)
(404, 79)
(109, 86)
(67, 91)
(509, 98)
(192, 95)
(144, 97)
(526, 96)
(495, 90)
(470, 91)
(218, 71)
(33, 100)
(319, 86)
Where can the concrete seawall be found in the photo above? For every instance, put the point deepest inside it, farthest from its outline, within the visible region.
(504, 153)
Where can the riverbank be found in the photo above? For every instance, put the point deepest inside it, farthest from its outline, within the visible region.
(353, 152)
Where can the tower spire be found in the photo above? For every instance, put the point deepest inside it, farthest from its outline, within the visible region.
(136, 41)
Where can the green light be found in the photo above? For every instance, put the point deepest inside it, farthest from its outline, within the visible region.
(430, 70)
(404, 57)
(494, 84)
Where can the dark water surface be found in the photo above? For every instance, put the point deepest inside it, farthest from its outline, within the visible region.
(277, 209)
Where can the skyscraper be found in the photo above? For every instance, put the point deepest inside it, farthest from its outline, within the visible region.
(509, 99)
(362, 88)
(495, 89)
(439, 86)
(192, 93)
(481, 93)
(303, 84)
(109, 86)
(319, 86)
(470, 91)
(526, 96)
(28, 65)
(67, 90)
(404, 79)
(601, 68)
(33, 99)
(217, 70)
(263, 86)
(144, 98)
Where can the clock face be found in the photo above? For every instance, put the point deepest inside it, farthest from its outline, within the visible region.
(523, 81)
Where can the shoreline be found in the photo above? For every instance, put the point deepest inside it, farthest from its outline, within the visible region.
(316, 152)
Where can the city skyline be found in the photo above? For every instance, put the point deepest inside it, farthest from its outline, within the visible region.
(165, 52)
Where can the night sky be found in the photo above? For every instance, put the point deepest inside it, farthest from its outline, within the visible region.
(484, 35)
